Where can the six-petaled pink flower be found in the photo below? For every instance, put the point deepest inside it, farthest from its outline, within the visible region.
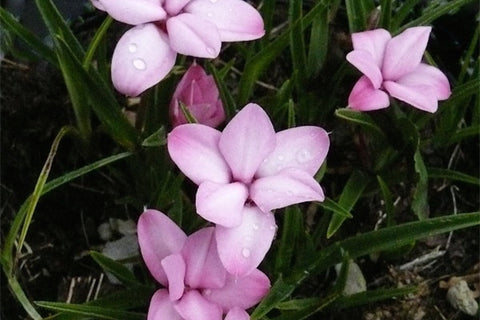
(146, 53)
(197, 286)
(245, 172)
(393, 66)
(198, 92)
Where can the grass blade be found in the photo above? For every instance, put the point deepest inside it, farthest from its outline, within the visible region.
(37, 191)
(91, 311)
(11, 24)
(452, 175)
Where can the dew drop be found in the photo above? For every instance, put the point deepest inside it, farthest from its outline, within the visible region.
(132, 48)
(245, 252)
(304, 156)
(281, 158)
(255, 226)
(139, 64)
(248, 239)
(273, 227)
(210, 14)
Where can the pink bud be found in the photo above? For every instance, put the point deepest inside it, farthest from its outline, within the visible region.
(199, 93)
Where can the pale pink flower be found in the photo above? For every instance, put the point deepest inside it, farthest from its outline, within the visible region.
(197, 286)
(392, 66)
(199, 93)
(245, 172)
(146, 53)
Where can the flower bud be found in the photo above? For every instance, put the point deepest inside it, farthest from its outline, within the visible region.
(198, 92)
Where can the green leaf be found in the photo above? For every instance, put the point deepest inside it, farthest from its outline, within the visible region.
(21, 297)
(135, 297)
(388, 199)
(472, 131)
(402, 12)
(49, 186)
(156, 139)
(225, 94)
(385, 13)
(420, 196)
(297, 42)
(95, 42)
(115, 268)
(318, 45)
(260, 61)
(101, 97)
(360, 118)
(12, 25)
(448, 174)
(292, 226)
(58, 27)
(372, 296)
(350, 195)
(337, 209)
(91, 311)
(360, 245)
(316, 307)
(291, 114)
(186, 113)
(435, 12)
(39, 186)
(357, 14)
(278, 292)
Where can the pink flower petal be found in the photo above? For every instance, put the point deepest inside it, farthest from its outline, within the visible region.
(302, 147)
(161, 307)
(242, 248)
(422, 97)
(365, 98)
(174, 268)
(243, 292)
(194, 149)
(404, 52)
(193, 306)
(141, 59)
(364, 62)
(173, 7)
(193, 36)
(428, 75)
(221, 203)
(133, 11)
(237, 314)
(204, 268)
(98, 4)
(236, 20)
(246, 141)
(373, 42)
(289, 186)
(158, 237)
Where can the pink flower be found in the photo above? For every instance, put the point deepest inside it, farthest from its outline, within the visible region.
(146, 53)
(199, 93)
(393, 66)
(197, 287)
(245, 172)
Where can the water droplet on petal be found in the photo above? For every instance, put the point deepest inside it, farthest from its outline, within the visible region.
(213, 1)
(246, 252)
(132, 48)
(207, 292)
(139, 64)
(273, 227)
(248, 239)
(304, 156)
(210, 14)
(255, 226)
(281, 158)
